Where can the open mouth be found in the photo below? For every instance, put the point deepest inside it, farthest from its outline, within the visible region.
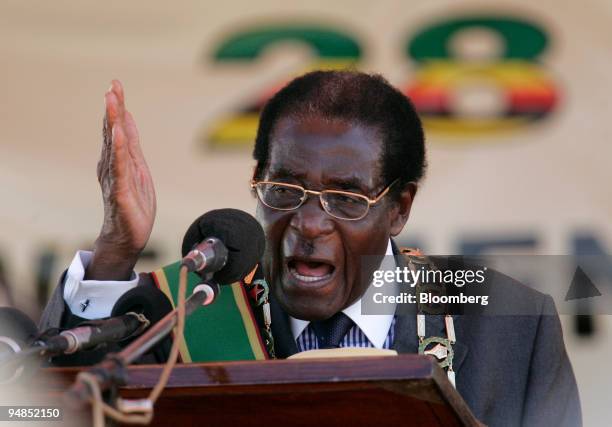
(310, 271)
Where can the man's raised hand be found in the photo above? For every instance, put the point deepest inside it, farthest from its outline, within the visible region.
(127, 191)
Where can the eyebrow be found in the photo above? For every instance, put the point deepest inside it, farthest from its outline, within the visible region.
(349, 183)
(285, 172)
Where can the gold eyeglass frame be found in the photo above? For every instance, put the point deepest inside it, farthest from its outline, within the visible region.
(320, 194)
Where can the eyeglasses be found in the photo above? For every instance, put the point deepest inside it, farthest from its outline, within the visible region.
(339, 204)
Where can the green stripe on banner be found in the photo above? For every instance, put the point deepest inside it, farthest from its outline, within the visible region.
(216, 332)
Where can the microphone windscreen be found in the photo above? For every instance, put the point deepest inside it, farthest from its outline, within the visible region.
(17, 331)
(145, 299)
(17, 325)
(239, 232)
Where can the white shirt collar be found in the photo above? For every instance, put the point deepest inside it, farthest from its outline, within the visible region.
(375, 327)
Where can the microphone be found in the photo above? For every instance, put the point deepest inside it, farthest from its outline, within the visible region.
(244, 240)
(207, 257)
(231, 229)
(17, 332)
(96, 332)
(145, 299)
(131, 315)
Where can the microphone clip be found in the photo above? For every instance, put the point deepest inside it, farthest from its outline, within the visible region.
(142, 319)
(210, 288)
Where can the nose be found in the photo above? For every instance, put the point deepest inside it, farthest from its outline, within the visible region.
(310, 220)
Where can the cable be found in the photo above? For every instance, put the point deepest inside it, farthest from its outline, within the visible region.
(101, 408)
(178, 337)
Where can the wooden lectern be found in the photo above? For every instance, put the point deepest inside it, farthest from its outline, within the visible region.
(366, 391)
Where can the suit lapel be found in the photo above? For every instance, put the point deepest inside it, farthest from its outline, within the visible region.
(460, 347)
(406, 338)
(284, 344)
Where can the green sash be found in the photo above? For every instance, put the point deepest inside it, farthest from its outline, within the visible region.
(224, 330)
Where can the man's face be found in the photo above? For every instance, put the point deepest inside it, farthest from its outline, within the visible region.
(312, 259)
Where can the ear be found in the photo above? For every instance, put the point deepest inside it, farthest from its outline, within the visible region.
(401, 211)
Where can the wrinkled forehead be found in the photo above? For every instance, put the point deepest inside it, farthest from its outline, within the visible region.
(324, 152)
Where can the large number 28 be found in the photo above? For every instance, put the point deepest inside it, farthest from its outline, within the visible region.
(475, 75)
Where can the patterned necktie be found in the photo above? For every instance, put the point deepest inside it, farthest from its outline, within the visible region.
(331, 331)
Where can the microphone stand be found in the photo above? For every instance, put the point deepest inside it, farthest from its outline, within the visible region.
(111, 371)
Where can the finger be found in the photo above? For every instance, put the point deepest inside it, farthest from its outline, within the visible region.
(130, 127)
(117, 87)
(119, 162)
(102, 168)
(117, 90)
(112, 108)
(133, 138)
(107, 124)
(110, 118)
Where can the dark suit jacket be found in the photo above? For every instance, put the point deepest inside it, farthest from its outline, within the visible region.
(511, 369)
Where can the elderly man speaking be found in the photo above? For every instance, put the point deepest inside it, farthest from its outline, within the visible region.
(339, 155)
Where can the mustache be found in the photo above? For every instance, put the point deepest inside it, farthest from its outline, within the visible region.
(305, 247)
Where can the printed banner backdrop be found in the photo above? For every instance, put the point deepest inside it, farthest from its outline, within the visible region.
(515, 98)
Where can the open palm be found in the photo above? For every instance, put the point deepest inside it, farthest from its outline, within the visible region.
(127, 191)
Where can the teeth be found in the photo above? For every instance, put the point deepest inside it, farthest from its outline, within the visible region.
(309, 278)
